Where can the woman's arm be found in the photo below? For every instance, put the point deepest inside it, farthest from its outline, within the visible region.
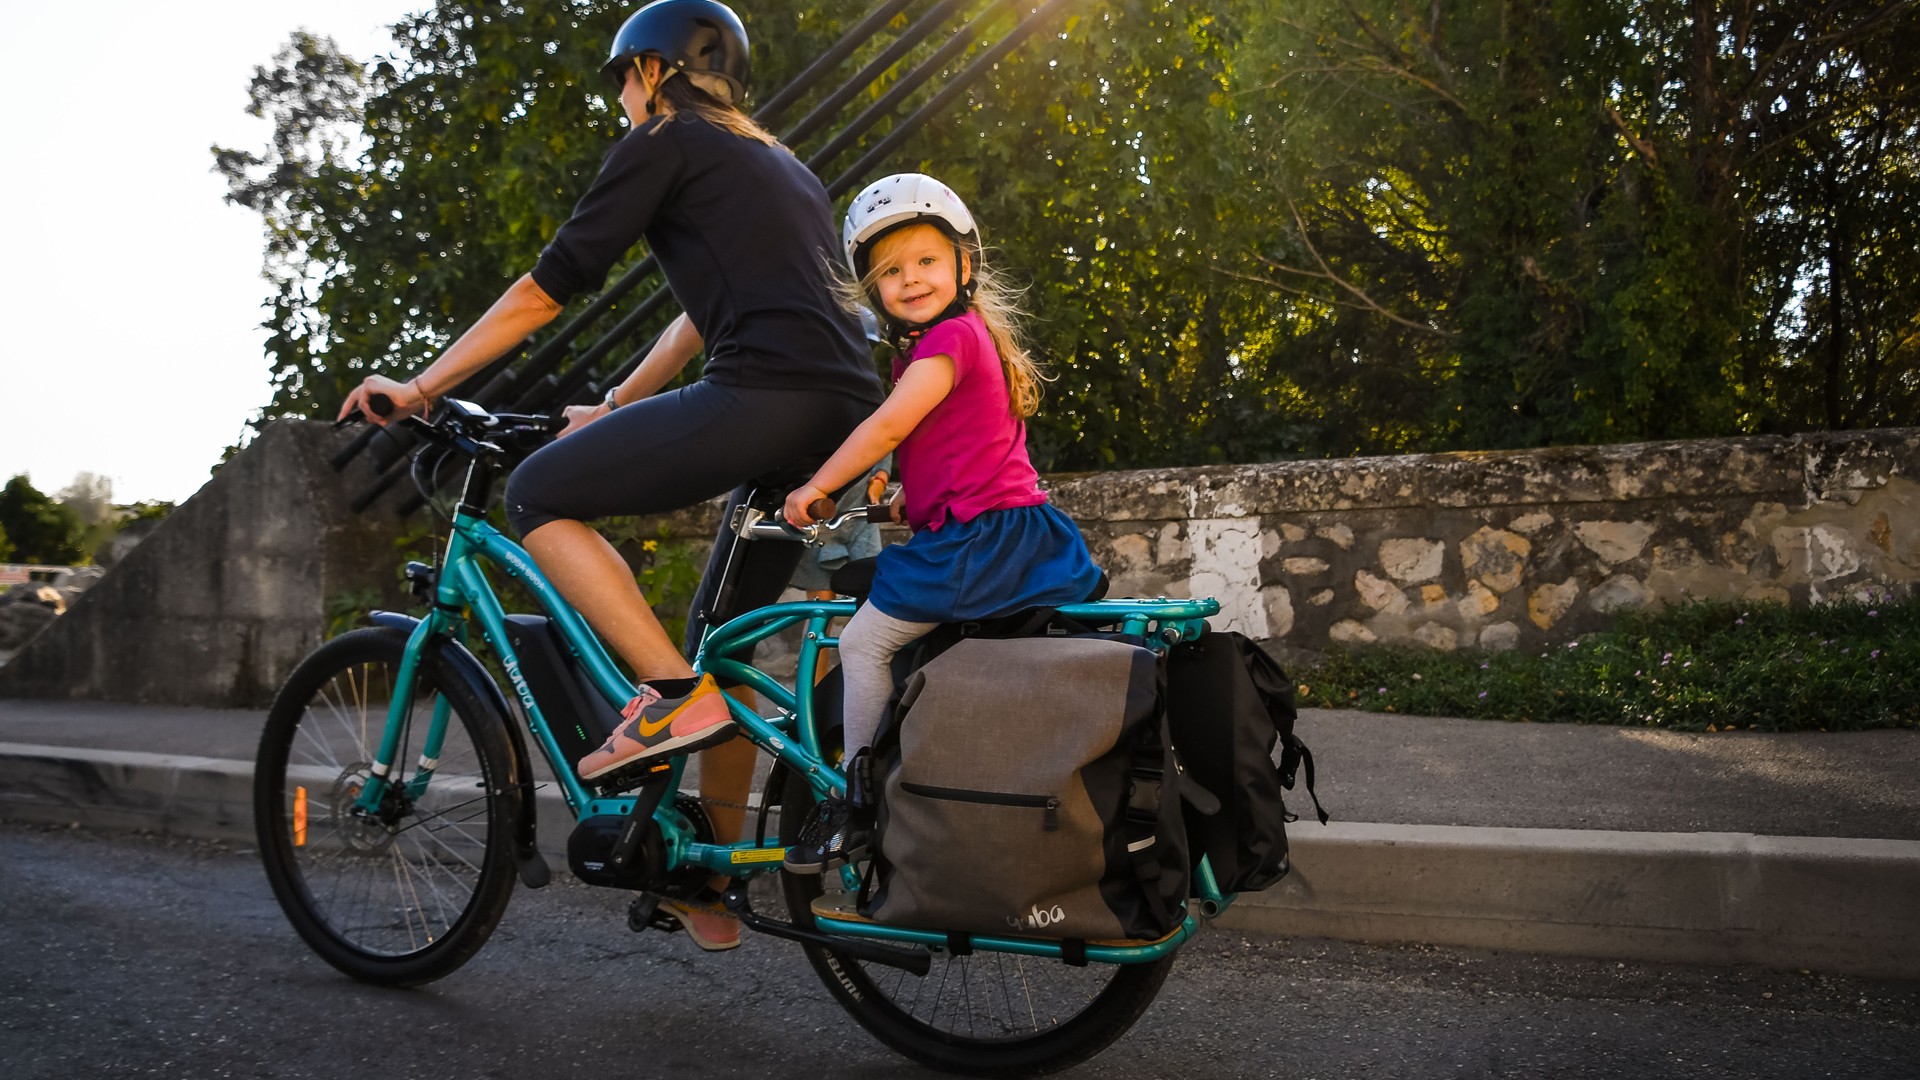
(522, 309)
(678, 343)
(926, 383)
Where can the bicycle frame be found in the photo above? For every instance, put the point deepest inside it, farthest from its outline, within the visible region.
(463, 595)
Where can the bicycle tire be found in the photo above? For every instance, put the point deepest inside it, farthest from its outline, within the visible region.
(891, 1004)
(407, 897)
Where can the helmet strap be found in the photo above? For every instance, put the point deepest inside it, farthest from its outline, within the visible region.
(653, 94)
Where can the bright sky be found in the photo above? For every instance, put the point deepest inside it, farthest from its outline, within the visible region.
(131, 292)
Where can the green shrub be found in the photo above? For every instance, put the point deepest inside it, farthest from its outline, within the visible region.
(1702, 665)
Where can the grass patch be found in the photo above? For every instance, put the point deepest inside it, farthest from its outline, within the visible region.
(1699, 666)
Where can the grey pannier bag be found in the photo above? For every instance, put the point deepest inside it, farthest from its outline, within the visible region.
(1023, 792)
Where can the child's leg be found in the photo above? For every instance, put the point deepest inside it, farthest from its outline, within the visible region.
(867, 645)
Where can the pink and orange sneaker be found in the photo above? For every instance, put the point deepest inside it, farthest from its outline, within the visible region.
(657, 727)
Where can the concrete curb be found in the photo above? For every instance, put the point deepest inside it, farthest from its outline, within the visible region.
(1836, 905)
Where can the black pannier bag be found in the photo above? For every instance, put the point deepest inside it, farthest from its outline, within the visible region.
(1025, 791)
(1228, 704)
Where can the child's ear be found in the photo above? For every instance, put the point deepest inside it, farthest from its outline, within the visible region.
(966, 266)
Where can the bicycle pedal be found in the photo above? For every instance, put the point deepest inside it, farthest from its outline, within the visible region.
(645, 913)
(629, 777)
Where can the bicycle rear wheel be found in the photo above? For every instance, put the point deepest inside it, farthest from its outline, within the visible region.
(405, 895)
(985, 1014)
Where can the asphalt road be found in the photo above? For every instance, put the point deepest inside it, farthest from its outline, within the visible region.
(129, 956)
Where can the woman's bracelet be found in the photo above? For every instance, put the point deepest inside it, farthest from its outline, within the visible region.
(415, 383)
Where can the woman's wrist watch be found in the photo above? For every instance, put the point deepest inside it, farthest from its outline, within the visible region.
(609, 401)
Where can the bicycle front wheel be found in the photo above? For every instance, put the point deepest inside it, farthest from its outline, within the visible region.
(405, 894)
(984, 1014)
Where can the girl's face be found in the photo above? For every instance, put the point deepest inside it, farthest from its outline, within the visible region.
(913, 271)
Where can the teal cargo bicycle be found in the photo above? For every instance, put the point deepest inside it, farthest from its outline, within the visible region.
(395, 799)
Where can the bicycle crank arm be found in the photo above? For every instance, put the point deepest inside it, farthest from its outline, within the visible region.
(917, 962)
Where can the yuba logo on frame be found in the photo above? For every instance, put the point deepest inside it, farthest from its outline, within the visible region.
(1037, 918)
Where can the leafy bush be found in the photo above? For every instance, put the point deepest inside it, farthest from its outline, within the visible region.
(1704, 665)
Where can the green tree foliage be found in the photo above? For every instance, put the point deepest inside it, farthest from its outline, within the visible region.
(39, 529)
(1251, 230)
(1586, 222)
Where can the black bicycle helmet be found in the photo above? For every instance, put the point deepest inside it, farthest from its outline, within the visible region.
(702, 37)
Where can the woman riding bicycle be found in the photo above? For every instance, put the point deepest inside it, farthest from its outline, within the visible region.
(743, 233)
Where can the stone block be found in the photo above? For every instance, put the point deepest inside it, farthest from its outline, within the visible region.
(1433, 595)
(1292, 533)
(1279, 606)
(1304, 567)
(1351, 632)
(1172, 547)
(1615, 541)
(1380, 595)
(1411, 561)
(1495, 558)
(1500, 637)
(1618, 591)
(1531, 523)
(1132, 553)
(1479, 602)
(1438, 637)
(1341, 535)
(1321, 598)
(1548, 603)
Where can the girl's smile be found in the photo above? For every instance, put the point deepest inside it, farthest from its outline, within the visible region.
(914, 272)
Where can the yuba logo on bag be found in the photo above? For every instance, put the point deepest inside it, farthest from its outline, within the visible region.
(1037, 918)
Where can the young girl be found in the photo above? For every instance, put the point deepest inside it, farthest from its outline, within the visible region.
(985, 541)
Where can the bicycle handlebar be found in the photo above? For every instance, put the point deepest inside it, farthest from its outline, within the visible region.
(761, 526)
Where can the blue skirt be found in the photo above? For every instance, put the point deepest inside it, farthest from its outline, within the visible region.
(1000, 562)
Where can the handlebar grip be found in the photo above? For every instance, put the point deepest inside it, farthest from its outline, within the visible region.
(379, 404)
(821, 509)
(880, 513)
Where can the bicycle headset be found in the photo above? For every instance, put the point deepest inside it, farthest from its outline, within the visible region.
(893, 203)
(701, 39)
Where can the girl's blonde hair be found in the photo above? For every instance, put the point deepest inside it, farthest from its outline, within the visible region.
(683, 95)
(995, 300)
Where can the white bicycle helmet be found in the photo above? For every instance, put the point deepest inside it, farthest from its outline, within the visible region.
(903, 199)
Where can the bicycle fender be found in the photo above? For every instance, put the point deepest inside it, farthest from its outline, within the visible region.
(532, 867)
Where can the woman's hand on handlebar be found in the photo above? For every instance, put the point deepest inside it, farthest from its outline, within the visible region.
(403, 397)
(800, 505)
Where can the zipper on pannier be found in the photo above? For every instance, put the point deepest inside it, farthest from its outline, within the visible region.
(1049, 803)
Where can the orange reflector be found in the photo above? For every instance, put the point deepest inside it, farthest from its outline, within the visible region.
(299, 817)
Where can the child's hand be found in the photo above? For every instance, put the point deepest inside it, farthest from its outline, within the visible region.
(877, 487)
(899, 507)
(797, 502)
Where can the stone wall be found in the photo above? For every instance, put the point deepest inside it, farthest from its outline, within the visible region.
(229, 592)
(1498, 550)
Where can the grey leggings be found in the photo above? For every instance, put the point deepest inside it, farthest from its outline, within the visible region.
(867, 646)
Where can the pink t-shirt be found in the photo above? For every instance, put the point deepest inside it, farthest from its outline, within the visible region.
(969, 455)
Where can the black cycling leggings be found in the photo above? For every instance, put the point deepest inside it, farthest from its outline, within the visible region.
(684, 447)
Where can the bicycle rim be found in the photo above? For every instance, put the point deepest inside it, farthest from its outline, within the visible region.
(404, 895)
(983, 1014)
